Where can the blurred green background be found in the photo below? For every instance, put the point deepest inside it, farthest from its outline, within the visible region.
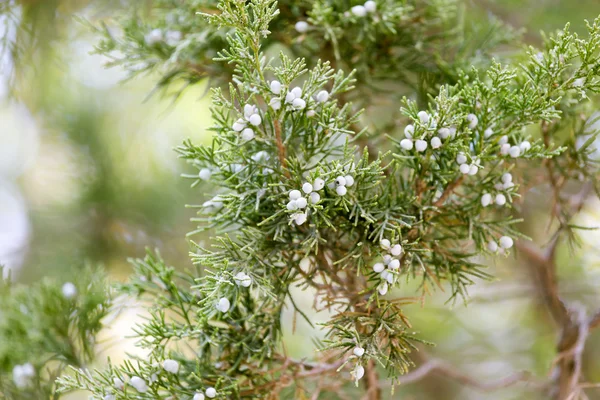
(88, 175)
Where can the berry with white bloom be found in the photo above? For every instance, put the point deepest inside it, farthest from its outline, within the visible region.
(423, 117)
(409, 131)
(247, 134)
(358, 372)
(23, 375)
(260, 156)
(301, 202)
(358, 351)
(69, 290)
(297, 92)
(109, 397)
(386, 259)
(461, 158)
(370, 6)
(382, 288)
(396, 250)
(506, 242)
(421, 145)
(311, 113)
(153, 37)
(444, 133)
(118, 383)
(139, 384)
(341, 190)
(500, 199)
(275, 87)
(385, 244)
(507, 177)
(275, 103)
(503, 140)
(318, 184)
(198, 396)
(436, 142)
(394, 264)
(406, 144)
(171, 366)
(514, 151)
(255, 119)
(378, 267)
(239, 125)
(359, 11)
(223, 304)
(242, 279)
(300, 218)
(340, 181)
(322, 96)
(211, 392)
(486, 200)
(524, 146)
(579, 82)
(488, 132)
(295, 194)
(507, 185)
(298, 104)
(473, 121)
(301, 26)
(307, 188)
(504, 149)
(492, 246)
(205, 174)
(292, 205)
(314, 197)
(473, 169)
(173, 38)
(465, 168)
(349, 180)
(289, 97)
(388, 276)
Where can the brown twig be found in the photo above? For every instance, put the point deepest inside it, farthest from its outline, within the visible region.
(448, 191)
(444, 369)
(281, 148)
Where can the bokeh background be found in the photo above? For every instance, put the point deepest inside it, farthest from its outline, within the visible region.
(88, 175)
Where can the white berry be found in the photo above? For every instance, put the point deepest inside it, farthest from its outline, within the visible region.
(394, 264)
(465, 168)
(223, 304)
(506, 242)
(295, 194)
(488, 132)
(385, 244)
(370, 6)
(171, 366)
(301, 26)
(255, 119)
(504, 149)
(239, 125)
(247, 134)
(409, 131)
(486, 200)
(242, 279)
(314, 197)
(139, 384)
(349, 180)
(340, 181)
(473, 121)
(275, 87)
(341, 190)
(444, 132)
(205, 174)
(406, 144)
(291, 205)
(211, 392)
(275, 103)
(492, 246)
(421, 145)
(298, 103)
(69, 290)
(359, 11)
(322, 96)
(461, 158)
(307, 188)
(396, 250)
(300, 218)
(514, 151)
(423, 117)
(436, 142)
(198, 396)
(500, 199)
(507, 177)
(382, 288)
(524, 146)
(378, 267)
(318, 184)
(358, 351)
(503, 140)
(473, 169)
(301, 202)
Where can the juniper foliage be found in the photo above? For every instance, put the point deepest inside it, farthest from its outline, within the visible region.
(306, 189)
